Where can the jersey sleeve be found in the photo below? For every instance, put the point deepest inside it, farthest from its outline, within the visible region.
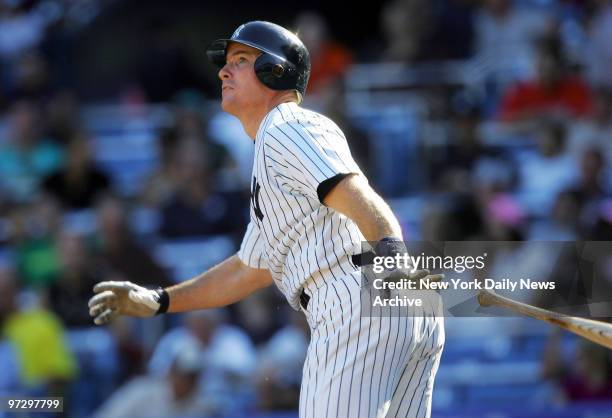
(303, 157)
(251, 248)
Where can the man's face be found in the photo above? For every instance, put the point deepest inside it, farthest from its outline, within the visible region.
(241, 89)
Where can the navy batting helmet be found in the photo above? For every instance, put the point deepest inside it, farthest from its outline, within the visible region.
(284, 63)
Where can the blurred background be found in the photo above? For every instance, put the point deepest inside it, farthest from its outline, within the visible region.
(477, 120)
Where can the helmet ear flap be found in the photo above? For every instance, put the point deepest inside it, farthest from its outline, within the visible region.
(274, 72)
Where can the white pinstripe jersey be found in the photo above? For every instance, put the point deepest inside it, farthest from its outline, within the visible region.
(291, 233)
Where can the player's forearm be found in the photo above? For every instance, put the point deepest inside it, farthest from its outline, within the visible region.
(354, 198)
(376, 220)
(222, 285)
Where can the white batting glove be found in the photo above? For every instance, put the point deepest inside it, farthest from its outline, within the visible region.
(125, 298)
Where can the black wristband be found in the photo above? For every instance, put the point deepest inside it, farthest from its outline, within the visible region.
(390, 246)
(163, 299)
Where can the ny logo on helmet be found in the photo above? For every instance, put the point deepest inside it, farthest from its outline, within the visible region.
(237, 31)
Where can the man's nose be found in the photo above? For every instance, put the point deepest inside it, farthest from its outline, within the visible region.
(224, 73)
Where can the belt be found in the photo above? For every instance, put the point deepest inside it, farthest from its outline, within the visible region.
(304, 299)
(363, 259)
(358, 260)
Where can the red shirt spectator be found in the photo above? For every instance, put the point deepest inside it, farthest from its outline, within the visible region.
(331, 61)
(554, 92)
(531, 98)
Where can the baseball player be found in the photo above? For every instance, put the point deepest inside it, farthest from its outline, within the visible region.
(311, 209)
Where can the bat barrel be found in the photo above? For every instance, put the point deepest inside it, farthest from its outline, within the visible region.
(596, 331)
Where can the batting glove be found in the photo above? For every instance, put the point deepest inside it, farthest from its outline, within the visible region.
(125, 298)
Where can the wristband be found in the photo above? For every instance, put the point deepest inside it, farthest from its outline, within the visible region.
(163, 299)
(390, 246)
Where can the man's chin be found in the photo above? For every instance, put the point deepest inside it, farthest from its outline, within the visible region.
(227, 107)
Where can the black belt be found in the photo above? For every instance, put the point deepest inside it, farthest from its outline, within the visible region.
(358, 260)
(363, 259)
(304, 299)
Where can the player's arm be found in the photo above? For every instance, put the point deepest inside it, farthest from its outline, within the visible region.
(224, 284)
(354, 198)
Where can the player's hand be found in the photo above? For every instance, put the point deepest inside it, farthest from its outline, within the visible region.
(122, 298)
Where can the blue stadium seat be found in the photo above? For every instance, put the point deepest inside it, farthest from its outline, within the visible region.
(501, 394)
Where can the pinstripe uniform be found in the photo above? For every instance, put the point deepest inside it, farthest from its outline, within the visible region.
(356, 366)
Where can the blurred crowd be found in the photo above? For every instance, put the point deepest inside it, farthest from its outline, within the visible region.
(520, 152)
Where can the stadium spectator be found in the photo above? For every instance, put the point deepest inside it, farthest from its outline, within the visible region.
(188, 130)
(31, 78)
(329, 59)
(505, 36)
(176, 393)
(79, 182)
(599, 55)
(405, 25)
(258, 314)
(191, 125)
(26, 157)
(596, 130)
(279, 365)
(554, 93)
(226, 130)
(62, 115)
(162, 183)
(68, 295)
(588, 376)
(591, 185)
(600, 225)
(505, 219)
(31, 329)
(226, 351)
(331, 101)
(592, 376)
(577, 207)
(34, 233)
(545, 172)
(118, 249)
(564, 222)
(196, 209)
(450, 166)
(440, 215)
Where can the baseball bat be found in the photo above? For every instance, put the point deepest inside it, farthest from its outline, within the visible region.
(596, 331)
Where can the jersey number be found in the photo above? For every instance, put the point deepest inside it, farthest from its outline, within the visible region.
(255, 199)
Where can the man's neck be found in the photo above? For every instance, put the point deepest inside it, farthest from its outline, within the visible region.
(253, 119)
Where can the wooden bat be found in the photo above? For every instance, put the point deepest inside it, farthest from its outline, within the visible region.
(596, 331)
